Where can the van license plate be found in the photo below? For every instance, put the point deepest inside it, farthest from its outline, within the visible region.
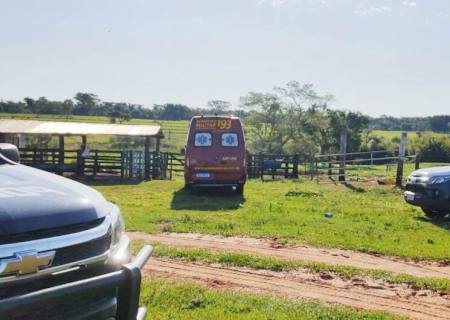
(410, 196)
(202, 175)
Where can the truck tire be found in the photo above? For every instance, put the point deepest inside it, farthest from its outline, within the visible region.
(240, 189)
(433, 213)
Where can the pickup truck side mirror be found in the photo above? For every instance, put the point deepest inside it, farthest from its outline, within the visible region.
(10, 152)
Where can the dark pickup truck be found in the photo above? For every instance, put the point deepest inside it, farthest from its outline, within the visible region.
(430, 189)
(64, 253)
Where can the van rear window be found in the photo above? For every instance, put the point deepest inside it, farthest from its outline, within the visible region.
(203, 139)
(230, 140)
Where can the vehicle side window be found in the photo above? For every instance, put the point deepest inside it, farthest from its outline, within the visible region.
(230, 140)
(203, 139)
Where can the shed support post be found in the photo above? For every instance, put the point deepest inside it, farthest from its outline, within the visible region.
(343, 151)
(80, 162)
(61, 155)
(147, 158)
(158, 144)
(401, 159)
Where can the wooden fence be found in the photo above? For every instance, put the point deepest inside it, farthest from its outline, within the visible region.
(166, 165)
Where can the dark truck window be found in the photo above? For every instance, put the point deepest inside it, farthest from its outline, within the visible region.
(203, 139)
(230, 140)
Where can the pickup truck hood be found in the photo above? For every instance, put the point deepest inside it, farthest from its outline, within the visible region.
(31, 199)
(432, 172)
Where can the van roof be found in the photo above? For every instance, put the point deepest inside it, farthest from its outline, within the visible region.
(216, 116)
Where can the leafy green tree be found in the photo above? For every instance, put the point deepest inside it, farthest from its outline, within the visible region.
(288, 120)
(85, 103)
(218, 106)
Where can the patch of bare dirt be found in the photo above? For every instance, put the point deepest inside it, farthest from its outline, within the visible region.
(277, 249)
(357, 293)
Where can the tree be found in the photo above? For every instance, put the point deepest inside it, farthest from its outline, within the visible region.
(172, 111)
(85, 103)
(288, 120)
(353, 123)
(67, 107)
(218, 106)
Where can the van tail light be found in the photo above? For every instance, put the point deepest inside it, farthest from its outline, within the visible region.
(187, 161)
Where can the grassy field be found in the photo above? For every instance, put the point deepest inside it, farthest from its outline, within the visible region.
(411, 134)
(184, 301)
(367, 217)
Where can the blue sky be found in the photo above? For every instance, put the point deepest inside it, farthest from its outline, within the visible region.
(376, 56)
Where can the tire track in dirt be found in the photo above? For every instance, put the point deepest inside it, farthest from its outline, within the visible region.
(395, 299)
(266, 247)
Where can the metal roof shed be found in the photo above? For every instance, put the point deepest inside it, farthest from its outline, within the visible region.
(83, 129)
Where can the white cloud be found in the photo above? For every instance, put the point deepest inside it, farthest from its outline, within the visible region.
(411, 4)
(373, 10)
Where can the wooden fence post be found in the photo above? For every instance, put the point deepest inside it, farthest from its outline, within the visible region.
(61, 155)
(417, 162)
(400, 160)
(295, 167)
(343, 151)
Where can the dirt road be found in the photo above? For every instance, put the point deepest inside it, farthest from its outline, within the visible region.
(356, 293)
(265, 247)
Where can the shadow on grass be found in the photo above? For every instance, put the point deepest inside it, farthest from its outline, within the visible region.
(206, 199)
(438, 220)
(353, 187)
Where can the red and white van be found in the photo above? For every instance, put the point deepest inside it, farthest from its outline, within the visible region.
(215, 153)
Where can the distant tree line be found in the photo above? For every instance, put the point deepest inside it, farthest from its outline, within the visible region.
(439, 123)
(290, 119)
(89, 104)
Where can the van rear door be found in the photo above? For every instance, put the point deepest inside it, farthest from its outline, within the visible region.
(216, 153)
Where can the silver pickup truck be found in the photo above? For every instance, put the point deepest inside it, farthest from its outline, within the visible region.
(53, 232)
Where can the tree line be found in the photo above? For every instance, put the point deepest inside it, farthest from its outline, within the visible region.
(440, 123)
(89, 104)
(291, 119)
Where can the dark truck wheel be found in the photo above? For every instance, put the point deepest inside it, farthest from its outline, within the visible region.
(433, 213)
(240, 189)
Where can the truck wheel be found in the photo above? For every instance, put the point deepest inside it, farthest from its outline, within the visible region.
(433, 213)
(240, 189)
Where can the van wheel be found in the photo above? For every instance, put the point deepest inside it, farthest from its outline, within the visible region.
(240, 189)
(433, 213)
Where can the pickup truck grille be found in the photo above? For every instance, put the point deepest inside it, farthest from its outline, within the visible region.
(48, 233)
(416, 188)
(82, 251)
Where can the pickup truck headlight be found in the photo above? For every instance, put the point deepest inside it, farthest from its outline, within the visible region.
(120, 251)
(439, 179)
(118, 227)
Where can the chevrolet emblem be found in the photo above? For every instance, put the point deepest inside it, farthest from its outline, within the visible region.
(26, 262)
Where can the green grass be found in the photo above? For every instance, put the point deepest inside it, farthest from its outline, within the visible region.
(178, 301)
(389, 135)
(370, 218)
(266, 263)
